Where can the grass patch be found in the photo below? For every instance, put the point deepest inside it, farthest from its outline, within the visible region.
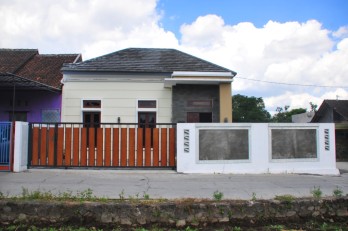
(316, 192)
(287, 198)
(217, 195)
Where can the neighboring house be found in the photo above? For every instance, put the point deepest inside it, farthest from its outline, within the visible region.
(335, 111)
(146, 85)
(305, 117)
(30, 85)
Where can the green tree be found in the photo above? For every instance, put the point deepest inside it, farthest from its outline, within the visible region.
(284, 116)
(249, 109)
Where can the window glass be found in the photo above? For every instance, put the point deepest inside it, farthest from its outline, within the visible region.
(147, 104)
(92, 104)
(51, 116)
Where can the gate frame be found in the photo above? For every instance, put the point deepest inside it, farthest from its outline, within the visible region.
(9, 167)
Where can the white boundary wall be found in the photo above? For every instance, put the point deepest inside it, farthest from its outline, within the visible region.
(20, 161)
(260, 159)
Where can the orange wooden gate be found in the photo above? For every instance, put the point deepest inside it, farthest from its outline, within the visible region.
(110, 145)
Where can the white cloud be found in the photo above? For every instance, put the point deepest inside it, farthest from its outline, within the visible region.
(341, 32)
(93, 27)
(290, 52)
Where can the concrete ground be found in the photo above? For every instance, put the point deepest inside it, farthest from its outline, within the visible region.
(170, 185)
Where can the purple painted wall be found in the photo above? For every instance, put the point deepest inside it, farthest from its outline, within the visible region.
(31, 102)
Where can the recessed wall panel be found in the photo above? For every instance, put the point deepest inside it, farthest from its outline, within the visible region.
(294, 143)
(223, 144)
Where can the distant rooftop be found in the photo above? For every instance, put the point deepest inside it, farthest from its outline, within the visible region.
(30, 66)
(340, 107)
(145, 60)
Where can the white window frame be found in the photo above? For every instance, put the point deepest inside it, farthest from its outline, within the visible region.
(83, 109)
(146, 109)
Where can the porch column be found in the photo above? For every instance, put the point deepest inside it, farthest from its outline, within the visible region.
(225, 103)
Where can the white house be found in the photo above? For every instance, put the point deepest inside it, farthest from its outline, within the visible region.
(146, 85)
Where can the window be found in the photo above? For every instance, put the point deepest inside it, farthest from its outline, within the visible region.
(91, 119)
(50, 115)
(147, 104)
(147, 113)
(91, 103)
(199, 117)
(91, 116)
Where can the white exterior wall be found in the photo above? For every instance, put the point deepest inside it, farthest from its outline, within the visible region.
(260, 160)
(118, 98)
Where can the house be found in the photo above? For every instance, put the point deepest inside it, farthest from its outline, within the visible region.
(335, 111)
(305, 117)
(30, 84)
(146, 85)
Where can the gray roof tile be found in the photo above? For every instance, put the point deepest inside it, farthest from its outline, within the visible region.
(145, 60)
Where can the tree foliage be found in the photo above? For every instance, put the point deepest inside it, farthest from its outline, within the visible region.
(284, 116)
(249, 109)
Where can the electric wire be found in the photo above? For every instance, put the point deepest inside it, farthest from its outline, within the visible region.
(290, 84)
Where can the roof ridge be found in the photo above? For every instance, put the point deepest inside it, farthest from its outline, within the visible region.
(59, 54)
(9, 49)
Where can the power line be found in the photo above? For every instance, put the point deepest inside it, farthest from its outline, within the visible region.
(291, 84)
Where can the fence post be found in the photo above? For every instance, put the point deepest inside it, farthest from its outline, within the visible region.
(30, 144)
(20, 152)
(55, 144)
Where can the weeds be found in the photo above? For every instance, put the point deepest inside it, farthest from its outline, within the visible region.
(338, 192)
(287, 198)
(188, 228)
(236, 228)
(146, 196)
(218, 195)
(253, 196)
(276, 227)
(121, 195)
(316, 192)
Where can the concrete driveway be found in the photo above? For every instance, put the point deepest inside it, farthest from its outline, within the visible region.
(170, 185)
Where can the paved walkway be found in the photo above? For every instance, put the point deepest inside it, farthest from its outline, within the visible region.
(169, 184)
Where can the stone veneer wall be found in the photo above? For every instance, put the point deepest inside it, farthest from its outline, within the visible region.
(172, 213)
(183, 93)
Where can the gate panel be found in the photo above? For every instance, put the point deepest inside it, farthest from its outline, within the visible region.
(140, 147)
(35, 148)
(148, 147)
(131, 161)
(109, 145)
(68, 144)
(172, 147)
(124, 147)
(155, 147)
(43, 146)
(50, 158)
(100, 147)
(83, 147)
(60, 146)
(91, 150)
(76, 142)
(5, 146)
(163, 147)
(116, 146)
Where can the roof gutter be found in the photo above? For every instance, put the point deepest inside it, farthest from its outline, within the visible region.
(202, 74)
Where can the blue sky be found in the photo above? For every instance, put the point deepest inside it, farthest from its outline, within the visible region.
(331, 13)
(296, 42)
